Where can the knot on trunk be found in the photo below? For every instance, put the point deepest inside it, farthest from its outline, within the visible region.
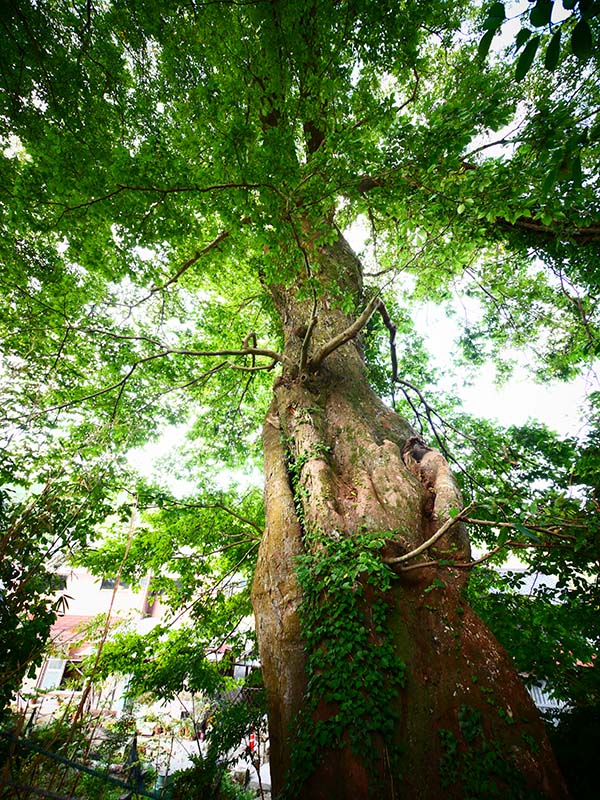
(432, 469)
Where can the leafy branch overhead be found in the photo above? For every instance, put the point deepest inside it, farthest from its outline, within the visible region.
(539, 29)
(225, 227)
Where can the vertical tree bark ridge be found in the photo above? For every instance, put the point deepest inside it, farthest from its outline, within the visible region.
(339, 462)
(276, 597)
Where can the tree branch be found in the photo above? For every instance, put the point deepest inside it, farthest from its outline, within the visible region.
(508, 545)
(190, 262)
(432, 539)
(346, 335)
(585, 234)
(581, 235)
(258, 368)
(306, 342)
(457, 564)
(537, 528)
(413, 94)
(165, 190)
(313, 320)
(120, 385)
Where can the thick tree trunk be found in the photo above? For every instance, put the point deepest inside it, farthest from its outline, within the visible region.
(340, 463)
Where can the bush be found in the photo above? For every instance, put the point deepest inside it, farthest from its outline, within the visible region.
(207, 780)
(576, 742)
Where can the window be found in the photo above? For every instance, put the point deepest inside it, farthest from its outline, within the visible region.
(61, 673)
(59, 583)
(109, 583)
(72, 677)
(52, 673)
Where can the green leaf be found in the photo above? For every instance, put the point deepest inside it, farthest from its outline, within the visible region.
(569, 5)
(502, 538)
(526, 58)
(527, 533)
(576, 173)
(522, 36)
(550, 181)
(552, 52)
(495, 18)
(594, 133)
(497, 10)
(582, 41)
(541, 13)
(484, 44)
(588, 9)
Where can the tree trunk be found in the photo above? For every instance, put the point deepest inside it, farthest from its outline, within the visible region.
(339, 466)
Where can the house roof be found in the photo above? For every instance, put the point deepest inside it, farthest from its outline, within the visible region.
(66, 629)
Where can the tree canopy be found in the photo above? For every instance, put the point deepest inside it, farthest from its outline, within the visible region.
(168, 172)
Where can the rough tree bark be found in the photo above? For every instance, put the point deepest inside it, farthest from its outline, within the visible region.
(363, 468)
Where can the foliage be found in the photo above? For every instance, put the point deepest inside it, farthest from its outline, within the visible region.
(552, 636)
(483, 768)
(161, 170)
(234, 717)
(353, 669)
(204, 780)
(574, 737)
(578, 26)
(47, 506)
(45, 756)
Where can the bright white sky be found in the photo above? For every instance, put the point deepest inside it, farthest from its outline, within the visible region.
(557, 404)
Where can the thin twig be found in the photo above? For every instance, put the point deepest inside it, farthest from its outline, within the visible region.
(413, 94)
(274, 356)
(189, 263)
(537, 528)
(432, 539)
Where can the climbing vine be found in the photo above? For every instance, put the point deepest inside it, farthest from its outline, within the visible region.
(485, 769)
(354, 673)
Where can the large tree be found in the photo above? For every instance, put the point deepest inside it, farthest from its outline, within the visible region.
(176, 183)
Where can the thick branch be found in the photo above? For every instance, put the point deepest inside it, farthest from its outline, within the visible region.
(581, 235)
(165, 190)
(508, 545)
(345, 336)
(584, 234)
(248, 351)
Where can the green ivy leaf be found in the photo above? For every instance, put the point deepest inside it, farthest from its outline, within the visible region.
(582, 41)
(552, 52)
(526, 58)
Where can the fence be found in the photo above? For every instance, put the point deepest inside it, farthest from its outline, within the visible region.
(11, 776)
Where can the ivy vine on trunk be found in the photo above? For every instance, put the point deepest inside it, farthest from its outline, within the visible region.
(362, 664)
